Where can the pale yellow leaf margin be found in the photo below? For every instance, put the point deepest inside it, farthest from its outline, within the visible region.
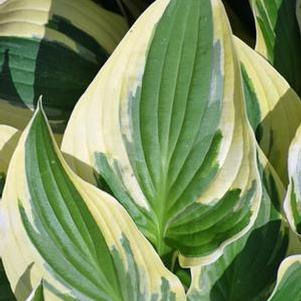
(283, 272)
(280, 107)
(8, 140)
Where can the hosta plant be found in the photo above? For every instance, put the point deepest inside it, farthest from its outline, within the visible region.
(171, 178)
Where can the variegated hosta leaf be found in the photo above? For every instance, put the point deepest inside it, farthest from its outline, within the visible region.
(46, 40)
(248, 268)
(164, 127)
(278, 37)
(8, 141)
(78, 239)
(288, 281)
(274, 109)
(292, 204)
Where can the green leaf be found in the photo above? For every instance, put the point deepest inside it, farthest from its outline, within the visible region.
(248, 268)
(278, 37)
(78, 239)
(164, 130)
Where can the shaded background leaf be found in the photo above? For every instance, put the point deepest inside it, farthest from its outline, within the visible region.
(278, 37)
(51, 48)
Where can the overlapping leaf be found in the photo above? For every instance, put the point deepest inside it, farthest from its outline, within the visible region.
(8, 141)
(37, 294)
(278, 37)
(44, 41)
(163, 127)
(288, 287)
(273, 108)
(78, 239)
(288, 282)
(292, 205)
(248, 268)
